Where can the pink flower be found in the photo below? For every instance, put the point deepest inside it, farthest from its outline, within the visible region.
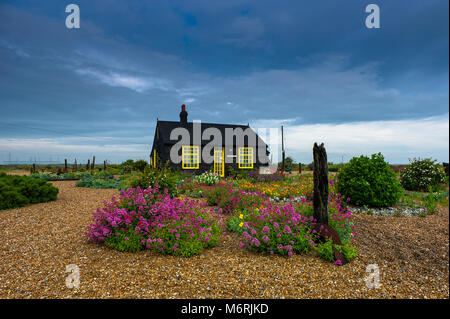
(338, 262)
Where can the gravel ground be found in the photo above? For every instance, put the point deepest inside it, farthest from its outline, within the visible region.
(39, 241)
(389, 211)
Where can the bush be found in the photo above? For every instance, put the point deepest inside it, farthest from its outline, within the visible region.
(277, 230)
(229, 199)
(18, 191)
(149, 219)
(191, 188)
(161, 178)
(127, 166)
(325, 251)
(369, 181)
(207, 178)
(420, 175)
(140, 165)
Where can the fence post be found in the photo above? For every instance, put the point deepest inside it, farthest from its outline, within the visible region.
(93, 162)
(65, 165)
(299, 168)
(88, 164)
(104, 165)
(75, 165)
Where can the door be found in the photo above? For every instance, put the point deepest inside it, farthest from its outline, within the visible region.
(219, 164)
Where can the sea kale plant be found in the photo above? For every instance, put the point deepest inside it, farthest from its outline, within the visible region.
(207, 178)
(150, 219)
(421, 174)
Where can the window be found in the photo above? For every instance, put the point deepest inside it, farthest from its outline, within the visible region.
(190, 157)
(219, 165)
(245, 157)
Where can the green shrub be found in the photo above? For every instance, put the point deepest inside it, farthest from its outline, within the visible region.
(236, 222)
(349, 252)
(126, 240)
(140, 165)
(431, 203)
(161, 178)
(207, 178)
(325, 251)
(18, 191)
(190, 188)
(422, 174)
(369, 181)
(127, 165)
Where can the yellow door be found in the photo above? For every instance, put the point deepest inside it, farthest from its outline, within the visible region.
(219, 164)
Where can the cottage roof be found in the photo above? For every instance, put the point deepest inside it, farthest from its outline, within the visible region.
(166, 127)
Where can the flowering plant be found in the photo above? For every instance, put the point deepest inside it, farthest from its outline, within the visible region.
(275, 229)
(151, 219)
(229, 199)
(207, 178)
(421, 174)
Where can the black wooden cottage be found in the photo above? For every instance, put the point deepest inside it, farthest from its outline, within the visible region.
(244, 149)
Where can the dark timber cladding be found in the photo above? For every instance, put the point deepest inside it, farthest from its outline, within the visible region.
(228, 152)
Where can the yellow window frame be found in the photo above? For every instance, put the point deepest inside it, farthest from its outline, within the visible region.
(190, 157)
(219, 163)
(245, 157)
(154, 159)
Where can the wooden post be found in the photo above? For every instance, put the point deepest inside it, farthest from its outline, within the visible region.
(88, 165)
(75, 165)
(104, 165)
(93, 162)
(33, 168)
(65, 165)
(299, 168)
(320, 184)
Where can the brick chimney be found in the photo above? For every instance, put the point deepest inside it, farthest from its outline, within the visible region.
(183, 114)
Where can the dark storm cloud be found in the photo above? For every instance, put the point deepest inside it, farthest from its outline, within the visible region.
(229, 61)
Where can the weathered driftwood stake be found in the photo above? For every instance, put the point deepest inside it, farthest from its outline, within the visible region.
(75, 165)
(324, 230)
(88, 164)
(104, 165)
(299, 168)
(65, 165)
(93, 162)
(320, 184)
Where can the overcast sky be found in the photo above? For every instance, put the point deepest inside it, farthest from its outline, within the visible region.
(311, 66)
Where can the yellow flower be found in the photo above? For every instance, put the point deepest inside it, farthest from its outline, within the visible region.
(241, 224)
(241, 216)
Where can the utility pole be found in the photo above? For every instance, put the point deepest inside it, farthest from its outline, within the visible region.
(282, 148)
